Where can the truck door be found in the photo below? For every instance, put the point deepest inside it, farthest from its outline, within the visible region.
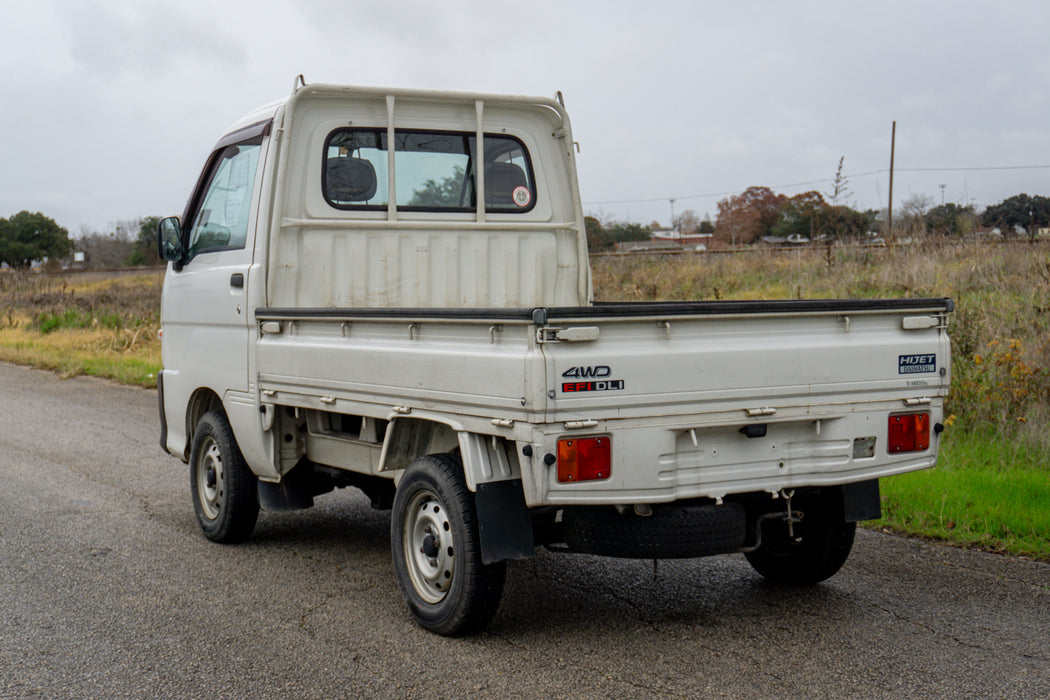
(206, 321)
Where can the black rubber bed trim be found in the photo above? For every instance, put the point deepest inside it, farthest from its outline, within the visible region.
(621, 310)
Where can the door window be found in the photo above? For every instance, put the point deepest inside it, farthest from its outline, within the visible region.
(221, 218)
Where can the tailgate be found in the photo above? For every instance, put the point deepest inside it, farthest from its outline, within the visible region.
(666, 360)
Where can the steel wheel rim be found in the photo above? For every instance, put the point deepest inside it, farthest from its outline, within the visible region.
(210, 479)
(428, 547)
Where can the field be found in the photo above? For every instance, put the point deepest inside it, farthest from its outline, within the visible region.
(991, 488)
(100, 324)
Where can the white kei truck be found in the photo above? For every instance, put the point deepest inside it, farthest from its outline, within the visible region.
(390, 289)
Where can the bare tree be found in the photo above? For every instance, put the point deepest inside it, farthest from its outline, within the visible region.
(686, 222)
(110, 248)
(913, 212)
(840, 186)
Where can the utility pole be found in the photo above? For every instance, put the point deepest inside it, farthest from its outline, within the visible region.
(889, 215)
(672, 217)
(942, 193)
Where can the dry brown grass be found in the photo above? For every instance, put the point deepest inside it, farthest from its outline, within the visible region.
(86, 323)
(1002, 295)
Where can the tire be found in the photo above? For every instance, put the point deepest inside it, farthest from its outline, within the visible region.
(824, 543)
(225, 491)
(674, 532)
(437, 550)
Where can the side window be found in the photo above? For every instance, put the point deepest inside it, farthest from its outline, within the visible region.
(221, 218)
(508, 175)
(433, 171)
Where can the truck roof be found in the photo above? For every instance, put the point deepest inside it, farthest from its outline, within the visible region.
(269, 111)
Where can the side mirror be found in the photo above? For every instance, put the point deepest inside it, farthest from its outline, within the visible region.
(169, 240)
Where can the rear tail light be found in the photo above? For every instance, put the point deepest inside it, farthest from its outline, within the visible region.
(909, 432)
(584, 459)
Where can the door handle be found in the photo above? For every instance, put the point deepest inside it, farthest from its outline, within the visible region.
(237, 280)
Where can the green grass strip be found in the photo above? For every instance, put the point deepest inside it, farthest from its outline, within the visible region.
(125, 369)
(985, 492)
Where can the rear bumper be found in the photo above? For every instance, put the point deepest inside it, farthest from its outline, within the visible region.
(662, 464)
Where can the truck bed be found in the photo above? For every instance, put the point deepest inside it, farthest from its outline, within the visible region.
(677, 381)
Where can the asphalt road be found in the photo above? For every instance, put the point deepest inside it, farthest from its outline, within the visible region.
(107, 590)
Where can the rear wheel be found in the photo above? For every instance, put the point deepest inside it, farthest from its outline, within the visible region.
(225, 491)
(437, 550)
(821, 544)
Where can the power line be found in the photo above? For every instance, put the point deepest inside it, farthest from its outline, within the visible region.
(824, 180)
(961, 170)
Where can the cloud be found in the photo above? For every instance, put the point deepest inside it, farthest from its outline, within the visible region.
(110, 39)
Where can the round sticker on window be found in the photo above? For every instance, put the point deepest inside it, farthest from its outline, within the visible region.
(522, 196)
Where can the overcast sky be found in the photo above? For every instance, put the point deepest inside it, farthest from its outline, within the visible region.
(108, 108)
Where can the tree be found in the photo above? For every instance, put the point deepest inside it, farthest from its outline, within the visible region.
(27, 237)
(444, 193)
(145, 251)
(913, 214)
(749, 215)
(686, 222)
(605, 236)
(596, 239)
(106, 250)
(1019, 211)
(801, 215)
(950, 220)
(706, 226)
(846, 222)
(810, 216)
(622, 231)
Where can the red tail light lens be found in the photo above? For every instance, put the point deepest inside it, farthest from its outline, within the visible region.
(909, 432)
(584, 459)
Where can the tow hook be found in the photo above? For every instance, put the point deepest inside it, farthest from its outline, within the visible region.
(790, 516)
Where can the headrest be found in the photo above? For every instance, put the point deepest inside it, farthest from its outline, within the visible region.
(349, 179)
(500, 181)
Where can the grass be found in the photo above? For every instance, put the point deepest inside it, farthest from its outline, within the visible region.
(985, 492)
(91, 352)
(92, 324)
(991, 488)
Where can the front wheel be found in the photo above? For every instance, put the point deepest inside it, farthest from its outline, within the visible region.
(437, 550)
(225, 491)
(821, 544)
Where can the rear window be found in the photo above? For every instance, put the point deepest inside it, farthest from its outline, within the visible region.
(433, 171)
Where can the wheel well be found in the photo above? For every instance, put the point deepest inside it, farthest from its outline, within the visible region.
(409, 438)
(202, 401)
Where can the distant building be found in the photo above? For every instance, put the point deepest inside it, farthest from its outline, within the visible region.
(682, 239)
(650, 245)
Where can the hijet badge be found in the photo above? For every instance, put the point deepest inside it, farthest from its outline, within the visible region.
(593, 378)
(916, 364)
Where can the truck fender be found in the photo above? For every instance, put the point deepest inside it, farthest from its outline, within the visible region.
(410, 437)
(489, 471)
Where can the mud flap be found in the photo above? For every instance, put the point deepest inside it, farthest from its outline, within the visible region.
(504, 522)
(163, 417)
(860, 501)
